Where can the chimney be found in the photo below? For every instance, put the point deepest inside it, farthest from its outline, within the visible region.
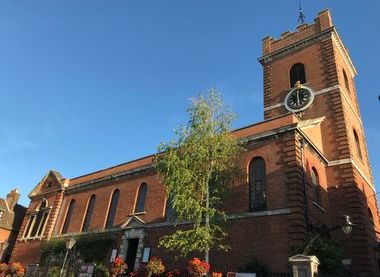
(12, 198)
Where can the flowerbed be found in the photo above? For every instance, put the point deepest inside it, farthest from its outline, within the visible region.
(12, 270)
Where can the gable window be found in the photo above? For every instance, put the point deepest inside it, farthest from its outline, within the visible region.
(357, 145)
(257, 185)
(346, 84)
(37, 221)
(90, 210)
(297, 73)
(69, 215)
(112, 209)
(141, 197)
(316, 186)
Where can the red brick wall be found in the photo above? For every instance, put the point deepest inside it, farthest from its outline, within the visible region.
(4, 235)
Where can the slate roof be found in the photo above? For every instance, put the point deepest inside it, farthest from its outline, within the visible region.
(11, 220)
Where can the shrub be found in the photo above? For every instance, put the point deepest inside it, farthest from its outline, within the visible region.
(94, 247)
(101, 271)
(255, 266)
(155, 267)
(198, 267)
(54, 271)
(217, 274)
(329, 253)
(53, 251)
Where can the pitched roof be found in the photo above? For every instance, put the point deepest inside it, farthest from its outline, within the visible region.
(146, 162)
(11, 220)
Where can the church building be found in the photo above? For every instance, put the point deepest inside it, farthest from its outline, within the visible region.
(306, 165)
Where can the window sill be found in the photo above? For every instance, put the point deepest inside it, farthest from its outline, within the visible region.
(31, 239)
(136, 214)
(319, 206)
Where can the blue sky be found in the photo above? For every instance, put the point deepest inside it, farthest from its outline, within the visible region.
(85, 85)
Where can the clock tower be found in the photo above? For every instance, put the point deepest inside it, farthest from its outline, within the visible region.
(310, 73)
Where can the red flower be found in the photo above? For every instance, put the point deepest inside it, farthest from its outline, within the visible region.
(155, 266)
(173, 273)
(118, 266)
(198, 267)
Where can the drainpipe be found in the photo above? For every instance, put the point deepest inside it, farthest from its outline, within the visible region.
(302, 144)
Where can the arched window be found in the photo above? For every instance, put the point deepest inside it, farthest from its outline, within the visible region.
(141, 196)
(346, 84)
(90, 210)
(69, 215)
(357, 145)
(112, 209)
(170, 215)
(297, 73)
(257, 185)
(37, 221)
(316, 186)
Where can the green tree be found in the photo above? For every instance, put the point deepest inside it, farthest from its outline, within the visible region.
(197, 167)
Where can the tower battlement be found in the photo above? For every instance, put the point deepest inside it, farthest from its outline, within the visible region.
(321, 23)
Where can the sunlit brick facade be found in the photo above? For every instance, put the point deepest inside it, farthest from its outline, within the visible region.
(316, 170)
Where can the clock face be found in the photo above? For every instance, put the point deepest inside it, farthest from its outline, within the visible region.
(299, 99)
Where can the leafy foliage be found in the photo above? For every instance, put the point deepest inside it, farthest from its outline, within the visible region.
(90, 248)
(328, 252)
(197, 167)
(101, 271)
(93, 247)
(51, 251)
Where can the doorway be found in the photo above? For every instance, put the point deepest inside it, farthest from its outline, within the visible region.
(131, 253)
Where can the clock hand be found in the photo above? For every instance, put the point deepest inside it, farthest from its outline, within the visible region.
(298, 98)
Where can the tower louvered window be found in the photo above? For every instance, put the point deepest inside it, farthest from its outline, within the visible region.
(257, 185)
(297, 73)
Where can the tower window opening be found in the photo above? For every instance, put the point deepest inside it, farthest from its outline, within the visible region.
(357, 145)
(346, 84)
(297, 73)
(316, 186)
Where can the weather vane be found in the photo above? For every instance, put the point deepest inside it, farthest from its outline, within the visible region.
(301, 17)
